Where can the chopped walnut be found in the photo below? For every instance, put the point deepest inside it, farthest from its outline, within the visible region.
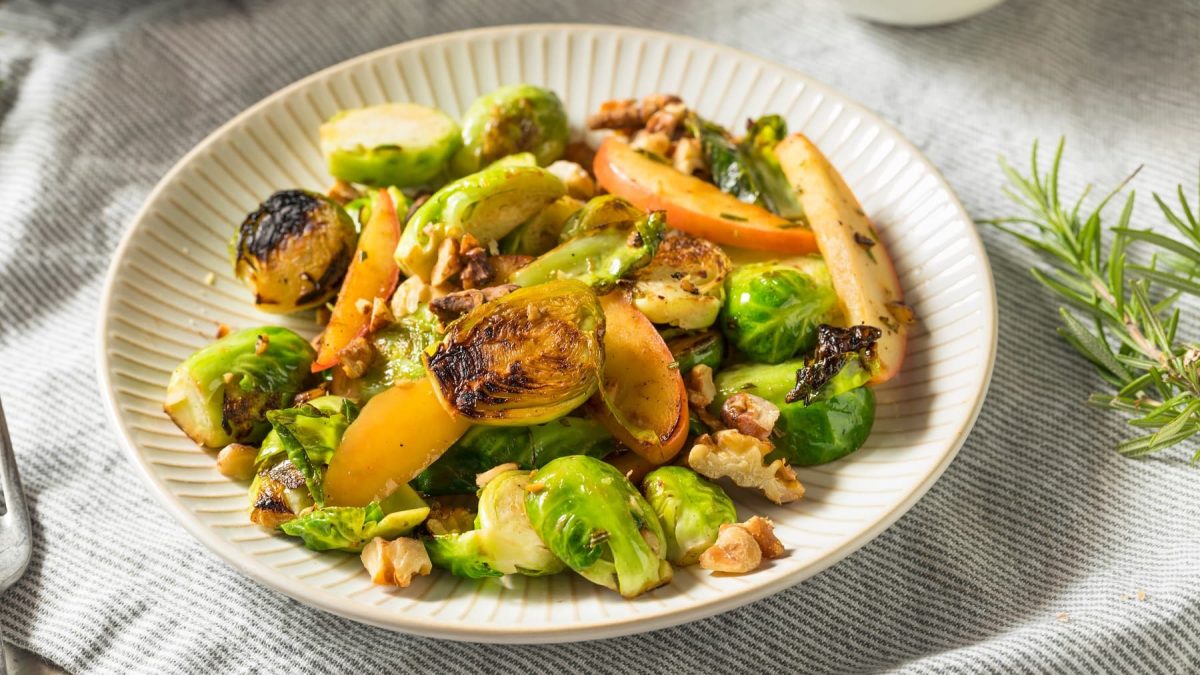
(343, 192)
(476, 270)
(752, 415)
(408, 296)
(687, 156)
(735, 552)
(381, 315)
(395, 563)
(578, 181)
(487, 476)
(355, 357)
(763, 531)
(652, 141)
(652, 103)
(236, 461)
(666, 119)
(448, 262)
(453, 305)
(700, 387)
(362, 305)
(617, 114)
(734, 454)
(505, 265)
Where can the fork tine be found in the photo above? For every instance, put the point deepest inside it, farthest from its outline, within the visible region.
(16, 536)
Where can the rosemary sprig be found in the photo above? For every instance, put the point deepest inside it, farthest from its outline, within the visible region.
(1120, 314)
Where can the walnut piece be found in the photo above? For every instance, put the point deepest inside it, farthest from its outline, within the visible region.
(448, 262)
(355, 357)
(652, 141)
(381, 315)
(735, 552)
(453, 305)
(343, 193)
(578, 181)
(734, 454)
(752, 415)
(395, 563)
(236, 461)
(763, 531)
(409, 295)
(700, 387)
(687, 156)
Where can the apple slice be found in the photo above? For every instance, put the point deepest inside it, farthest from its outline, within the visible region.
(642, 401)
(373, 274)
(693, 205)
(862, 271)
(396, 435)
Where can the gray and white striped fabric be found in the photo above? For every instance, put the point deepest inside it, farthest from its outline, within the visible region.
(1039, 549)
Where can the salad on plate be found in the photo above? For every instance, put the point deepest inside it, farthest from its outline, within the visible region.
(539, 355)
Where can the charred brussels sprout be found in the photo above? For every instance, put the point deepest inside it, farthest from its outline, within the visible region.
(401, 144)
(528, 357)
(293, 251)
(684, 283)
(513, 119)
(600, 256)
(595, 521)
(488, 205)
(221, 394)
(694, 349)
(691, 510)
(277, 494)
(482, 448)
(541, 232)
(308, 435)
(503, 541)
(836, 422)
(772, 310)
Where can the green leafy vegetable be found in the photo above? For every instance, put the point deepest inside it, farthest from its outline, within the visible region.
(484, 447)
(748, 169)
(397, 351)
(691, 509)
(1120, 315)
(309, 434)
(772, 309)
(349, 528)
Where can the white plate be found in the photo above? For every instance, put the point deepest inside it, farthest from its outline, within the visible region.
(157, 309)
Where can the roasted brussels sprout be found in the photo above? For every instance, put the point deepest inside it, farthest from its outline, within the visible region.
(401, 144)
(503, 541)
(512, 119)
(519, 159)
(309, 434)
(684, 283)
(595, 521)
(277, 494)
(293, 251)
(541, 232)
(598, 212)
(349, 528)
(599, 257)
(705, 348)
(221, 394)
(690, 508)
(836, 423)
(772, 309)
(396, 354)
(528, 357)
(482, 448)
(488, 205)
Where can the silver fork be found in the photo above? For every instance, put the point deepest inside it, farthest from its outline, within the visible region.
(16, 535)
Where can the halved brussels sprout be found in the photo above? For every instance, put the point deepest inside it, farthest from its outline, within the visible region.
(278, 494)
(691, 510)
(397, 351)
(836, 423)
(487, 205)
(513, 119)
(684, 283)
(595, 521)
(400, 144)
(221, 393)
(772, 309)
(294, 250)
(541, 232)
(530, 356)
(483, 447)
(598, 212)
(503, 541)
(309, 434)
(599, 256)
(349, 528)
(694, 349)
